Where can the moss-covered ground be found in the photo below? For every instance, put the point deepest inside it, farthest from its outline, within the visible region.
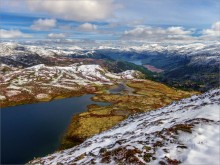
(147, 95)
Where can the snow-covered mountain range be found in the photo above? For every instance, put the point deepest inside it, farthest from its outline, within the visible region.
(185, 132)
(199, 53)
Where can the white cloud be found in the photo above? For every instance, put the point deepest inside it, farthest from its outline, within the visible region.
(43, 24)
(87, 27)
(214, 31)
(7, 34)
(56, 35)
(79, 10)
(177, 31)
(157, 33)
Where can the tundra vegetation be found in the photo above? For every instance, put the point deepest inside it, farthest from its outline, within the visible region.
(140, 96)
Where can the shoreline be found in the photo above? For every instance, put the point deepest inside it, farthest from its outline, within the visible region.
(136, 96)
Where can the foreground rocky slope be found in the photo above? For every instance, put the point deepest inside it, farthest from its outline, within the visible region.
(184, 132)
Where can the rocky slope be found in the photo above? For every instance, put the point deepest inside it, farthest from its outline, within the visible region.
(185, 132)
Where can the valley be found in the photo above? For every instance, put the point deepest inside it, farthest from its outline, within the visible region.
(118, 88)
(110, 82)
(187, 66)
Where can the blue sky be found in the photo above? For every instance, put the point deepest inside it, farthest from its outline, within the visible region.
(110, 20)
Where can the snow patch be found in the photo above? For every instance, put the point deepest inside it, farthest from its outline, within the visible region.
(42, 96)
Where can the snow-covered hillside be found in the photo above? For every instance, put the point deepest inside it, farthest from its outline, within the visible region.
(9, 48)
(49, 81)
(77, 73)
(185, 132)
(188, 49)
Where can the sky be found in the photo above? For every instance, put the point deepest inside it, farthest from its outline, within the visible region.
(127, 20)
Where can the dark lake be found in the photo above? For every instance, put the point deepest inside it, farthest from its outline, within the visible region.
(35, 130)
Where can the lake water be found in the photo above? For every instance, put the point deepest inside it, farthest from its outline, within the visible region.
(122, 89)
(35, 130)
(117, 89)
(137, 62)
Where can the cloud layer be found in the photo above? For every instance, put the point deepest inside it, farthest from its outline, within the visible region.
(172, 34)
(56, 35)
(214, 31)
(87, 27)
(11, 34)
(43, 24)
(101, 19)
(156, 33)
(78, 10)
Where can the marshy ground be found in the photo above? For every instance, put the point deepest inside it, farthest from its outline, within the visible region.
(129, 97)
